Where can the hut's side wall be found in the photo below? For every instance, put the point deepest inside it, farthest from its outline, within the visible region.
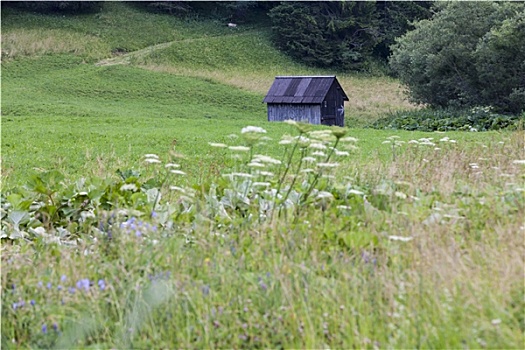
(306, 113)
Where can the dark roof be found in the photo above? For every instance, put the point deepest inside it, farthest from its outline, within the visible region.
(302, 89)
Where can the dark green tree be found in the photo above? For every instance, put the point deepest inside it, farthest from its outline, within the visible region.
(395, 19)
(467, 54)
(61, 6)
(335, 34)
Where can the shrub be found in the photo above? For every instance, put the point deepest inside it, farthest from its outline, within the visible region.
(474, 119)
(468, 54)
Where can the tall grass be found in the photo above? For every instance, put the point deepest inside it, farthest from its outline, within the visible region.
(424, 251)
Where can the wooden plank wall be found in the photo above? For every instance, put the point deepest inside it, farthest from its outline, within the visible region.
(299, 112)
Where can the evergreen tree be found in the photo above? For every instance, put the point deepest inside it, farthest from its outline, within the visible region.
(335, 34)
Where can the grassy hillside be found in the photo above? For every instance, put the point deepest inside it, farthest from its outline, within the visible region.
(241, 57)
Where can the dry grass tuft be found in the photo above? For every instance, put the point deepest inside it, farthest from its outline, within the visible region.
(33, 42)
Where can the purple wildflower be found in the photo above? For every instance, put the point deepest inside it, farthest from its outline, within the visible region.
(32, 302)
(154, 214)
(263, 286)
(44, 328)
(59, 287)
(63, 278)
(72, 290)
(40, 284)
(83, 284)
(49, 285)
(102, 284)
(15, 306)
(138, 233)
(55, 327)
(206, 289)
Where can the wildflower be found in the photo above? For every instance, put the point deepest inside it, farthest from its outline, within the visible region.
(341, 153)
(49, 285)
(245, 175)
(495, 322)
(317, 146)
(151, 160)
(254, 164)
(254, 129)
(285, 142)
(414, 141)
(386, 141)
(177, 172)
(218, 145)
(348, 139)
(400, 195)
(63, 278)
(327, 165)
(101, 284)
(71, 290)
(303, 141)
(290, 122)
(266, 173)
(400, 238)
(263, 286)
(44, 328)
(266, 159)
(83, 283)
(324, 195)
(128, 187)
(172, 165)
(239, 148)
(205, 289)
(338, 132)
(344, 207)
(319, 154)
(40, 284)
(177, 188)
(309, 160)
(519, 161)
(55, 326)
(32, 302)
(352, 191)
(261, 184)
(307, 170)
(151, 155)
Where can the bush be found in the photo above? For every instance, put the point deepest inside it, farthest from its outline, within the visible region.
(62, 6)
(474, 119)
(469, 54)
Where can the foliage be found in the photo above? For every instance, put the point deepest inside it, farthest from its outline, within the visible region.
(474, 119)
(395, 19)
(338, 35)
(467, 54)
(73, 7)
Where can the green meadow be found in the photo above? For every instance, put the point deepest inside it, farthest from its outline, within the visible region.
(137, 212)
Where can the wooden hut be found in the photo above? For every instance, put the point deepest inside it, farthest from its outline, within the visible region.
(308, 99)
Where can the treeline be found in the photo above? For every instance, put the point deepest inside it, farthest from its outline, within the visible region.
(448, 54)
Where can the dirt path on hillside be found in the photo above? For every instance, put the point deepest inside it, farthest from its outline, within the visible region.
(126, 58)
